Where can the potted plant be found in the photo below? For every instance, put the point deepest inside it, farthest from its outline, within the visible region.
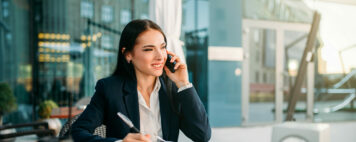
(45, 110)
(7, 100)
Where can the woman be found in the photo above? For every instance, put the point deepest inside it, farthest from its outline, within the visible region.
(158, 103)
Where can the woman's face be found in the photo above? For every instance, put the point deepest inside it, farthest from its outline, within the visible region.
(149, 53)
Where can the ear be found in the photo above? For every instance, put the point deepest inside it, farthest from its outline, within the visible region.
(123, 50)
(128, 55)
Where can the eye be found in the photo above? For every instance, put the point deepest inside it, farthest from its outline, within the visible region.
(147, 49)
(163, 47)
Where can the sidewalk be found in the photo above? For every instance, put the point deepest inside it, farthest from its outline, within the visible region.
(340, 132)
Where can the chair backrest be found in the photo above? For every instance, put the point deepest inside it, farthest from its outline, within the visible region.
(100, 131)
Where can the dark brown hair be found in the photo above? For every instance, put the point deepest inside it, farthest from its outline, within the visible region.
(128, 40)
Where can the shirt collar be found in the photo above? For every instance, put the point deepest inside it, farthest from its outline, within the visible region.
(157, 85)
(153, 97)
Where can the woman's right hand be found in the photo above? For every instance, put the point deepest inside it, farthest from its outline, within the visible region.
(137, 137)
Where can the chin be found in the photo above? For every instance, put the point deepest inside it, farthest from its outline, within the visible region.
(157, 73)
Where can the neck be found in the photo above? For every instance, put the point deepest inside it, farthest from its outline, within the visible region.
(145, 83)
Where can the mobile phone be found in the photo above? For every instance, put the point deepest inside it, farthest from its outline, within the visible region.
(169, 64)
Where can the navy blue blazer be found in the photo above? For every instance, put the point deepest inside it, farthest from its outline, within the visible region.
(118, 94)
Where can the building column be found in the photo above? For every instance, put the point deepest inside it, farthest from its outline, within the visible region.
(225, 63)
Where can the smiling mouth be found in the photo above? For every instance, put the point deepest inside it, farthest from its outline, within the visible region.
(157, 66)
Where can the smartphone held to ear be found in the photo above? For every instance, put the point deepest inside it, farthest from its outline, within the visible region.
(169, 64)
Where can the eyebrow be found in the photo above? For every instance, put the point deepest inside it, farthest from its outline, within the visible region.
(163, 44)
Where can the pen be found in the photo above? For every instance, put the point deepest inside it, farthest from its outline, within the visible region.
(128, 122)
(132, 127)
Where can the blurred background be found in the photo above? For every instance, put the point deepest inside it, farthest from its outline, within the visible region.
(243, 56)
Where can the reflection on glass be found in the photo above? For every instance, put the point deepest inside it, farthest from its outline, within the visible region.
(53, 47)
(262, 75)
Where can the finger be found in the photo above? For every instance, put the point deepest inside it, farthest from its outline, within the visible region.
(182, 66)
(132, 140)
(148, 136)
(173, 59)
(137, 136)
(177, 65)
(177, 59)
(144, 138)
(170, 53)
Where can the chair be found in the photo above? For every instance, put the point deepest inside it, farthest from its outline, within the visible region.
(310, 132)
(40, 129)
(100, 131)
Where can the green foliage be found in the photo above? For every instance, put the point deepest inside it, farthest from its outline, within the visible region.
(46, 107)
(7, 99)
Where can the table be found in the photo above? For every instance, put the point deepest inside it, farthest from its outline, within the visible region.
(62, 112)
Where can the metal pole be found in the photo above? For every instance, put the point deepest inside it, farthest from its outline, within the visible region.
(245, 76)
(279, 76)
(310, 92)
(196, 14)
(88, 62)
(132, 9)
(3, 47)
(307, 56)
(2, 58)
(35, 21)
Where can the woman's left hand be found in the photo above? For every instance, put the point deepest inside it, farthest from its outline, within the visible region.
(180, 76)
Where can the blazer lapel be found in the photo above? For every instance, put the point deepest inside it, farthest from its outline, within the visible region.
(131, 102)
(164, 108)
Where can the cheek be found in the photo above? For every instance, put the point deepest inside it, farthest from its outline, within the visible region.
(165, 55)
(139, 57)
(143, 60)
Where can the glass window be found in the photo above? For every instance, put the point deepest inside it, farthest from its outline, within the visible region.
(106, 42)
(106, 13)
(125, 17)
(5, 9)
(86, 9)
(61, 53)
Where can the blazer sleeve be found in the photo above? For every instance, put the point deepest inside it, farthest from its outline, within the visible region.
(194, 121)
(92, 117)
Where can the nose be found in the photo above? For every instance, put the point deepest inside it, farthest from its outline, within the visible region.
(160, 54)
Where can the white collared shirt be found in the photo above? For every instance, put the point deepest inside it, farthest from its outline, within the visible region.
(150, 117)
